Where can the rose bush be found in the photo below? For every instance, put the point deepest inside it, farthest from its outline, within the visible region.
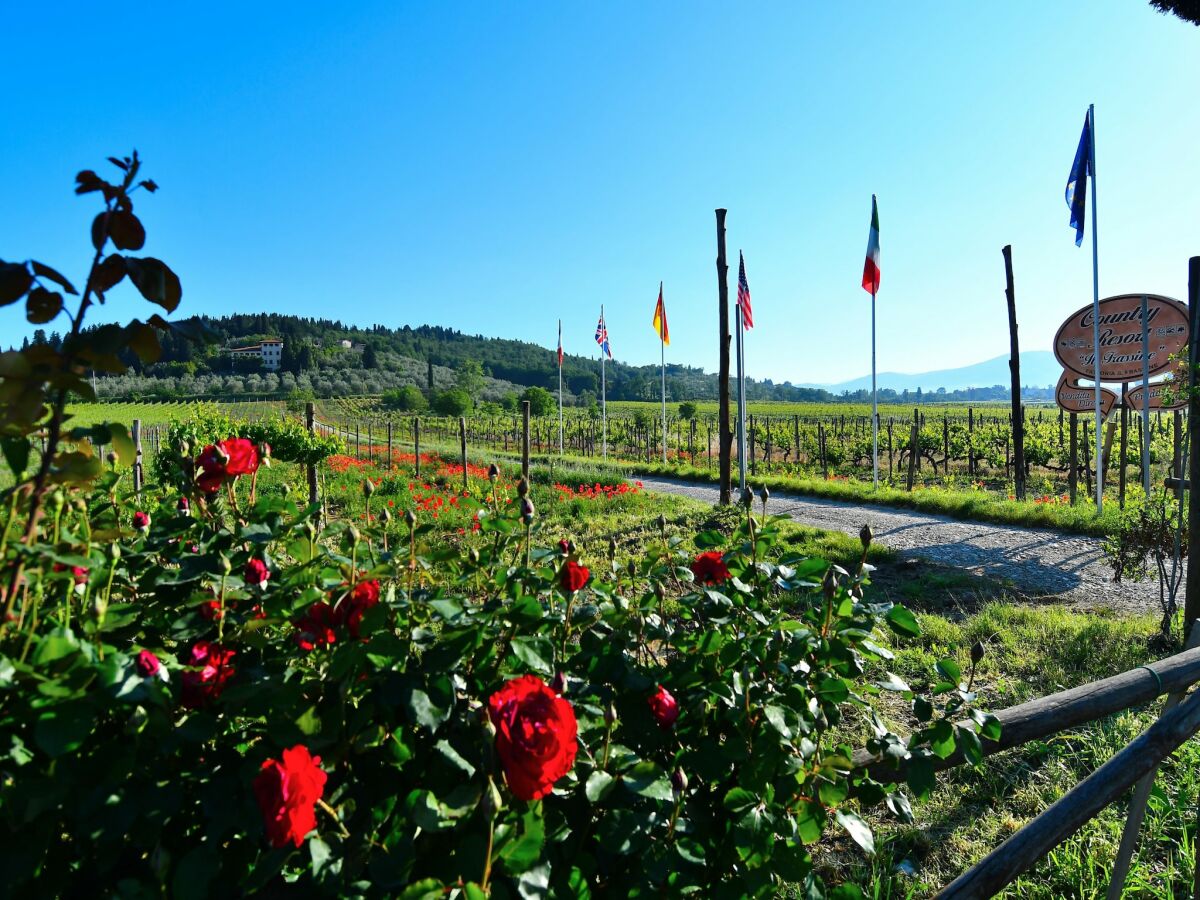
(402, 711)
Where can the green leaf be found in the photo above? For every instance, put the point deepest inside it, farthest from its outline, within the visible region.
(646, 779)
(535, 884)
(319, 853)
(41, 306)
(810, 821)
(598, 785)
(16, 454)
(833, 792)
(446, 607)
(922, 709)
(971, 747)
(455, 758)
(777, 718)
(941, 739)
(63, 729)
(920, 776)
(155, 280)
(472, 891)
(859, 830)
(949, 670)
(195, 872)
(845, 892)
(43, 271)
(520, 852)
(430, 706)
(535, 652)
(57, 644)
(894, 682)
(425, 889)
(739, 799)
(15, 280)
(903, 622)
(707, 540)
(525, 611)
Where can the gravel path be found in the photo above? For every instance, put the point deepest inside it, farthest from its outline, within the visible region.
(1037, 562)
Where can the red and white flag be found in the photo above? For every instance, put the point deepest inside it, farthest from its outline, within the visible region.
(870, 280)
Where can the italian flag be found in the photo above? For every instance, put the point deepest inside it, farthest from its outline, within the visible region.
(870, 280)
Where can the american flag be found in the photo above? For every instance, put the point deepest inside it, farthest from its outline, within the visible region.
(743, 297)
(602, 336)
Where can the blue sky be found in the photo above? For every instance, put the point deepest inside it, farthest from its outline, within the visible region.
(493, 166)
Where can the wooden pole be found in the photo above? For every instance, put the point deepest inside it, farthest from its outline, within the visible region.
(1073, 462)
(1124, 453)
(389, 444)
(1021, 851)
(137, 457)
(914, 439)
(725, 437)
(462, 440)
(524, 440)
(417, 444)
(310, 424)
(1191, 606)
(1014, 367)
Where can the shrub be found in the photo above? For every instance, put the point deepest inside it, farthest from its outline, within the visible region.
(454, 402)
(687, 410)
(541, 401)
(204, 693)
(405, 399)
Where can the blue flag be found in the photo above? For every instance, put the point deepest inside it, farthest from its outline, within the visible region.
(1077, 180)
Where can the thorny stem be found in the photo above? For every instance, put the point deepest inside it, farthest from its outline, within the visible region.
(343, 830)
(221, 613)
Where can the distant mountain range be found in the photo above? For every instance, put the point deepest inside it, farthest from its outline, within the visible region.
(1039, 368)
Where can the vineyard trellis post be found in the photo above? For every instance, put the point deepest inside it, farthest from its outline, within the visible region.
(524, 442)
(310, 424)
(389, 444)
(1124, 452)
(137, 458)
(1145, 452)
(417, 445)
(462, 440)
(1073, 461)
(1014, 365)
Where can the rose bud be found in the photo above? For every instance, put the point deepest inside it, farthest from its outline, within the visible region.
(559, 683)
(264, 453)
(679, 781)
(368, 487)
(764, 495)
(612, 549)
(256, 572)
(522, 487)
(184, 448)
(527, 510)
(493, 472)
(610, 714)
(141, 521)
(385, 516)
(225, 565)
(473, 555)
(110, 458)
(976, 653)
(354, 533)
(410, 517)
(286, 488)
(865, 536)
(566, 547)
(184, 506)
(661, 521)
(663, 707)
(747, 497)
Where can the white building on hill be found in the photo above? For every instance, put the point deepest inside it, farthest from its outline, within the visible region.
(270, 352)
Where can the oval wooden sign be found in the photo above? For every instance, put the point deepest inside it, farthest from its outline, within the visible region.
(1076, 398)
(1121, 337)
(1156, 399)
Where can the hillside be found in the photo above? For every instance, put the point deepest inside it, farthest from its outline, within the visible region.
(1038, 368)
(328, 358)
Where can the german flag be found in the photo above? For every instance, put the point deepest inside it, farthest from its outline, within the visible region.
(660, 318)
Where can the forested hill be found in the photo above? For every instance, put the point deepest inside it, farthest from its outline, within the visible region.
(316, 359)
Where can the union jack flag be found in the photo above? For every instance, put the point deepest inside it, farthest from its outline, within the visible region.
(602, 336)
(743, 297)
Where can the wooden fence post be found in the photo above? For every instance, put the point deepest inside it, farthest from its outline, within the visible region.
(311, 469)
(1124, 452)
(913, 444)
(137, 458)
(462, 440)
(1014, 365)
(417, 444)
(970, 441)
(389, 444)
(524, 440)
(1141, 795)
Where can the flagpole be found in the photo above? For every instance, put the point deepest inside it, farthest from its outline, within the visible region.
(560, 405)
(741, 410)
(1096, 312)
(874, 405)
(603, 392)
(662, 345)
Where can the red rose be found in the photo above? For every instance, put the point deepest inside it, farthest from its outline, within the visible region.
(79, 574)
(287, 792)
(141, 521)
(243, 456)
(211, 465)
(256, 572)
(573, 576)
(212, 669)
(663, 707)
(317, 627)
(211, 610)
(350, 610)
(147, 664)
(710, 568)
(536, 736)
